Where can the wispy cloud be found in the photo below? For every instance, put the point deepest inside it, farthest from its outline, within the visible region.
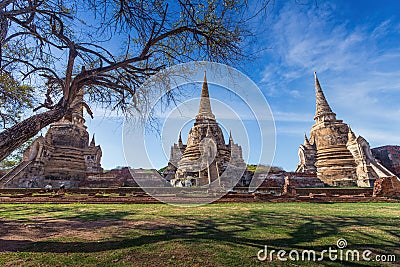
(361, 74)
(315, 40)
(377, 137)
(358, 63)
(382, 29)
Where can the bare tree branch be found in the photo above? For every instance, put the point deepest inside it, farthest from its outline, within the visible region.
(52, 45)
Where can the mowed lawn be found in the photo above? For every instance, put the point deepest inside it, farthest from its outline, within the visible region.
(212, 235)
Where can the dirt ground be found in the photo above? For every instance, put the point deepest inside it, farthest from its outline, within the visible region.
(15, 235)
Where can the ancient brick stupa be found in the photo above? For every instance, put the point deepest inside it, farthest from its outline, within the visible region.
(63, 156)
(335, 153)
(206, 159)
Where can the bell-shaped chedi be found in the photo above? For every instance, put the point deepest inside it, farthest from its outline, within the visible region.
(63, 156)
(334, 152)
(205, 157)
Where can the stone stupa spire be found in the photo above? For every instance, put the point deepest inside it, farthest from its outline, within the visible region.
(180, 143)
(205, 156)
(306, 141)
(323, 110)
(75, 116)
(93, 142)
(230, 138)
(205, 111)
(77, 105)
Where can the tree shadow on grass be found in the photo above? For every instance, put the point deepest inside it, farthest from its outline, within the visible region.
(233, 231)
(63, 212)
(299, 231)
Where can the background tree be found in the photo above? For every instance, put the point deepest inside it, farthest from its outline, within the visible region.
(14, 158)
(108, 48)
(14, 99)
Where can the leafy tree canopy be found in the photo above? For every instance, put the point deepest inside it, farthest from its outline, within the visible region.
(14, 99)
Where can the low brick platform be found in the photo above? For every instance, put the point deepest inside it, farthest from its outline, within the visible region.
(387, 187)
(319, 195)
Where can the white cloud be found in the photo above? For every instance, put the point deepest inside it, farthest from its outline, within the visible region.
(316, 41)
(382, 29)
(358, 67)
(377, 137)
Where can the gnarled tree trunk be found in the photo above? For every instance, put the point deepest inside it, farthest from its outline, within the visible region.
(14, 137)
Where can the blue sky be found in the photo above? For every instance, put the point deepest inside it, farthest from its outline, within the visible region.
(354, 46)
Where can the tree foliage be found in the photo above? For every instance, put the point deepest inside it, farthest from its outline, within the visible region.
(14, 99)
(260, 168)
(14, 158)
(108, 48)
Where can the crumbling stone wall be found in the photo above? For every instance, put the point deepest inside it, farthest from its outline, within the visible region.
(389, 156)
(387, 187)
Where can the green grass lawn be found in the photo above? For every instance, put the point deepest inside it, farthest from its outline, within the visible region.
(212, 235)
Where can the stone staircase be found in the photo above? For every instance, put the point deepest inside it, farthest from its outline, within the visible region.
(381, 170)
(13, 173)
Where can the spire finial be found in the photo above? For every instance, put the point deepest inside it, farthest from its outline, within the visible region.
(180, 143)
(204, 91)
(306, 141)
(205, 111)
(93, 143)
(323, 110)
(230, 137)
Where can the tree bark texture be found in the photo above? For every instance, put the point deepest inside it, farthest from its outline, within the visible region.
(14, 137)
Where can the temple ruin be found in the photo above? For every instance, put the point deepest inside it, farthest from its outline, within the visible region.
(389, 156)
(206, 159)
(335, 153)
(63, 156)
